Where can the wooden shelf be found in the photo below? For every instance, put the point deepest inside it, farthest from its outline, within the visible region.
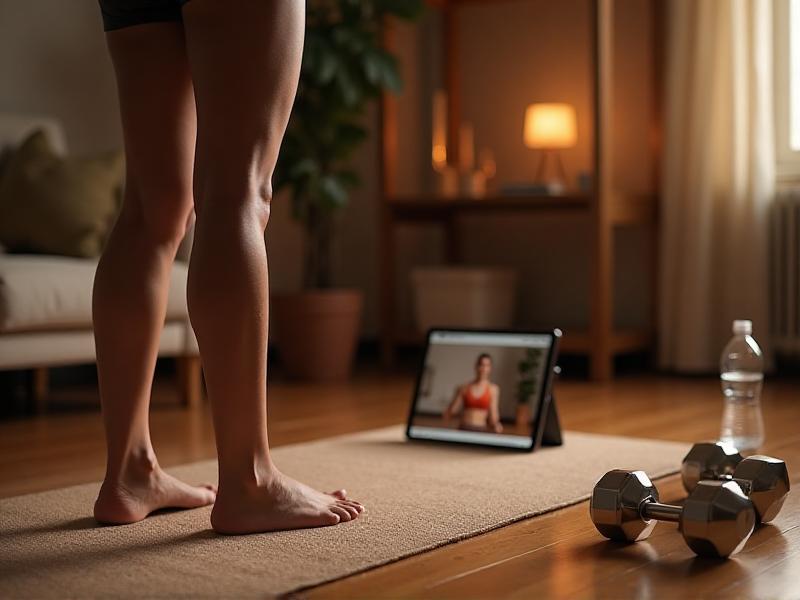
(431, 206)
(626, 208)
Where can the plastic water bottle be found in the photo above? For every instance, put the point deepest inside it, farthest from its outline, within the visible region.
(741, 375)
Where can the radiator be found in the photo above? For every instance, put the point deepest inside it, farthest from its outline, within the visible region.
(785, 273)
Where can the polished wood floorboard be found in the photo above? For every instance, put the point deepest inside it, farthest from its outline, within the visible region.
(556, 555)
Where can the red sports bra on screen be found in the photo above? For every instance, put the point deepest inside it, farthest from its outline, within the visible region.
(481, 402)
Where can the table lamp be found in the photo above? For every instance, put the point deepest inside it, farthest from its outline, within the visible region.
(550, 127)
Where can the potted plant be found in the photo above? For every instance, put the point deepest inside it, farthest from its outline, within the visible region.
(344, 68)
(528, 369)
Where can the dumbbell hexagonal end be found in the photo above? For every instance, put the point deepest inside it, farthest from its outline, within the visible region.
(615, 503)
(717, 519)
(769, 484)
(708, 460)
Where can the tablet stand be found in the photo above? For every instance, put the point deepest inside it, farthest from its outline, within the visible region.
(549, 429)
(551, 433)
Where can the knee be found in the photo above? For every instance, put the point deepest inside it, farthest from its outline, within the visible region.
(247, 199)
(162, 219)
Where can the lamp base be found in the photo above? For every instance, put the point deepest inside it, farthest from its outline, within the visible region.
(558, 182)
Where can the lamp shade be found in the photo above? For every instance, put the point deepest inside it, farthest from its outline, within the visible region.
(550, 125)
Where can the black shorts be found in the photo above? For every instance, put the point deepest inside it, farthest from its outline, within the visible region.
(124, 13)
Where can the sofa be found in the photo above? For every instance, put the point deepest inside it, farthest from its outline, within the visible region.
(45, 301)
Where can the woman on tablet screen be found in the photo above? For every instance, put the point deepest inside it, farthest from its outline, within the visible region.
(477, 401)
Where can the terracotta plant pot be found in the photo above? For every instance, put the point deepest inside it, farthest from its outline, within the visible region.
(523, 414)
(316, 332)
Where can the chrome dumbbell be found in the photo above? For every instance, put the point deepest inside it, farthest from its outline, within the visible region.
(763, 479)
(716, 519)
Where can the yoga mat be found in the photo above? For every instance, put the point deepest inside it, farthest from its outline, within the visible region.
(418, 496)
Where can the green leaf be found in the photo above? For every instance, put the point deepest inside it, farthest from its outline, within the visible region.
(306, 167)
(348, 137)
(387, 69)
(328, 63)
(347, 88)
(350, 39)
(332, 192)
(373, 66)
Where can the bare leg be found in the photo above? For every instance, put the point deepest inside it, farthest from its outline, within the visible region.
(245, 59)
(132, 279)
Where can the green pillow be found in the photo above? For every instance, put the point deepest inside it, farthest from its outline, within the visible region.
(55, 205)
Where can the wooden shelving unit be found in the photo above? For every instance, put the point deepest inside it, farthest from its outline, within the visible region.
(606, 206)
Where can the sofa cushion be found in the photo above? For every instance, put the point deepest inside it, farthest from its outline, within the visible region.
(55, 292)
(15, 129)
(56, 205)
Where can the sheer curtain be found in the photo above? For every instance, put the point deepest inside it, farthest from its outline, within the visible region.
(718, 178)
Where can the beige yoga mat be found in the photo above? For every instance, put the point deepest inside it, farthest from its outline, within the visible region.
(418, 496)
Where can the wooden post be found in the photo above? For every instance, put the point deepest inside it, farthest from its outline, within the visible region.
(602, 309)
(190, 382)
(657, 23)
(40, 389)
(387, 125)
(452, 80)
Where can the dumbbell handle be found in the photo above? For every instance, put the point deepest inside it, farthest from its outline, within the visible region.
(745, 484)
(661, 512)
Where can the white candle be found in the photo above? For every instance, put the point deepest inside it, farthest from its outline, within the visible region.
(439, 142)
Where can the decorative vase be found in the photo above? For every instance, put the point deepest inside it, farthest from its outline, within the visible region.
(316, 332)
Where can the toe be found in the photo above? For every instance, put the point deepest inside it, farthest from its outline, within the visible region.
(340, 494)
(331, 518)
(351, 510)
(343, 513)
(353, 504)
(356, 503)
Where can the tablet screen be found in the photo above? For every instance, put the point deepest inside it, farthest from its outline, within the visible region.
(482, 387)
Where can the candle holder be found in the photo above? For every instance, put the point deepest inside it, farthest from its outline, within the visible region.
(473, 184)
(447, 183)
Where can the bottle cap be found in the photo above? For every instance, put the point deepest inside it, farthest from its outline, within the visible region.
(742, 327)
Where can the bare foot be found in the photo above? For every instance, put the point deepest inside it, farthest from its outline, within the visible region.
(137, 494)
(280, 503)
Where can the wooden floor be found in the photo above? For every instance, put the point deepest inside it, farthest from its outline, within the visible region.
(557, 555)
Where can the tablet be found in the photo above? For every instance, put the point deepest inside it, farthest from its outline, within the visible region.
(491, 388)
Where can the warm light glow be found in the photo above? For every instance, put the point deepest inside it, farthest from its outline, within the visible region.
(439, 142)
(439, 157)
(550, 125)
(488, 164)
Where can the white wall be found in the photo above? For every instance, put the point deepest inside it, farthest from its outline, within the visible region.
(53, 61)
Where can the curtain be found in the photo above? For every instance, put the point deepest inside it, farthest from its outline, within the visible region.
(718, 178)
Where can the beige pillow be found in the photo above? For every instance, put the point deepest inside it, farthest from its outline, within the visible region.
(55, 205)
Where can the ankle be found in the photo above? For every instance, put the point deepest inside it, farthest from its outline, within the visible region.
(139, 464)
(250, 477)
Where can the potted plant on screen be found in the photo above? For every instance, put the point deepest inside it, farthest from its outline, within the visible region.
(344, 68)
(528, 369)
